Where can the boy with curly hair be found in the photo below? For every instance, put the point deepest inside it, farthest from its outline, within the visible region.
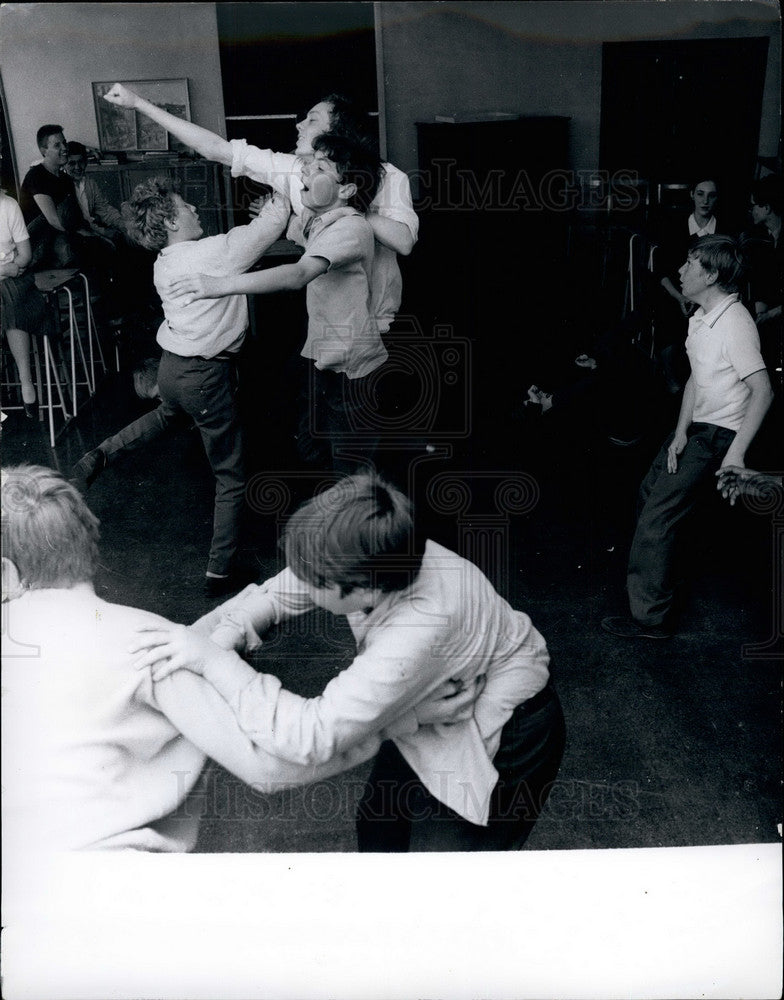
(200, 341)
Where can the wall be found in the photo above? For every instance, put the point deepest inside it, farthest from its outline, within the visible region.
(50, 54)
(543, 58)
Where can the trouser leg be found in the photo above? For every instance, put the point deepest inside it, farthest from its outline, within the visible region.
(206, 391)
(397, 813)
(664, 501)
(141, 431)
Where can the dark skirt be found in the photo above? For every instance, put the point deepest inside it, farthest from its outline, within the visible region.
(23, 306)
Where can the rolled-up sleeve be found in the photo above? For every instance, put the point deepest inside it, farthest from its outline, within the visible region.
(264, 166)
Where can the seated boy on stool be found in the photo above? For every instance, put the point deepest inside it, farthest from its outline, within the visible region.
(421, 616)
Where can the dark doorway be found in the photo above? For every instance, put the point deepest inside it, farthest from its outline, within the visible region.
(671, 110)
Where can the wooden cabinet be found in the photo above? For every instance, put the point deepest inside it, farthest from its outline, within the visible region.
(201, 183)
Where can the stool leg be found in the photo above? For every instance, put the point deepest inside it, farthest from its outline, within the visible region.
(92, 330)
(49, 356)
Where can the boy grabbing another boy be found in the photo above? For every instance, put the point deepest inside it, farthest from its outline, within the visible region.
(343, 339)
(421, 616)
(200, 341)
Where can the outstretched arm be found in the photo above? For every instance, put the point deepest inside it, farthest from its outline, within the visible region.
(286, 277)
(207, 144)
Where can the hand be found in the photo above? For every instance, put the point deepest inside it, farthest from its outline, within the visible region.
(452, 702)
(584, 361)
(676, 447)
(166, 648)
(195, 286)
(10, 269)
(121, 96)
(730, 478)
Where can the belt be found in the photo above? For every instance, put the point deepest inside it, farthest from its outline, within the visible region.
(223, 356)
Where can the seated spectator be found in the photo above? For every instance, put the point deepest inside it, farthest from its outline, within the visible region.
(48, 202)
(23, 308)
(102, 218)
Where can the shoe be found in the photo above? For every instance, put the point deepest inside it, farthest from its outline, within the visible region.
(221, 586)
(628, 628)
(89, 467)
(30, 409)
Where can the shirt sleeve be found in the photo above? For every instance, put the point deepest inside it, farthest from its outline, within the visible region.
(16, 224)
(265, 166)
(393, 199)
(204, 718)
(342, 243)
(376, 692)
(743, 344)
(242, 246)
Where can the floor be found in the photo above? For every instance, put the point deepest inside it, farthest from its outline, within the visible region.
(669, 743)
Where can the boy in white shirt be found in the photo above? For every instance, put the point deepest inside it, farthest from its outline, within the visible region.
(200, 341)
(724, 403)
(421, 616)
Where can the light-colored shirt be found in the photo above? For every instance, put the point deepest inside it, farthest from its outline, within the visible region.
(207, 327)
(449, 624)
(342, 332)
(96, 756)
(724, 348)
(283, 171)
(12, 227)
(695, 229)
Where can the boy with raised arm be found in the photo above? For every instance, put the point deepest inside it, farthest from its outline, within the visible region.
(343, 339)
(200, 342)
(422, 616)
(390, 213)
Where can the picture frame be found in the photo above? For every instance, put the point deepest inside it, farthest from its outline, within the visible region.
(123, 130)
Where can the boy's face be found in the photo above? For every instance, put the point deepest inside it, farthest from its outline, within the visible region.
(331, 599)
(186, 220)
(75, 166)
(322, 188)
(317, 121)
(694, 278)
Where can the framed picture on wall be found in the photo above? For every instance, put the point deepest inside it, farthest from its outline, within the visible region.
(123, 130)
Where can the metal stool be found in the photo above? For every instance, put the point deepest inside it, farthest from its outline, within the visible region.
(67, 281)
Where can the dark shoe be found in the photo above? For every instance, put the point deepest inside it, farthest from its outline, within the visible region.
(30, 409)
(628, 628)
(89, 467)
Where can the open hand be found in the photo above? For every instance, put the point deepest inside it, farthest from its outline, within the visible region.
(121, 96)
(166, 648)
(676, 447)
(452, 702)
(195, 286)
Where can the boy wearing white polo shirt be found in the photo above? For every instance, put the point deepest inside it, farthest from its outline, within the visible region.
(724, 403)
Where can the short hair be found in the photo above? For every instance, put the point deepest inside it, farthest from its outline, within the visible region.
(77, 149)
(358, 533)
(346, 117)
(724, 255)
(43, 134)
(357, 163)
(768, 191)
(49, 532)
(151, 205)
